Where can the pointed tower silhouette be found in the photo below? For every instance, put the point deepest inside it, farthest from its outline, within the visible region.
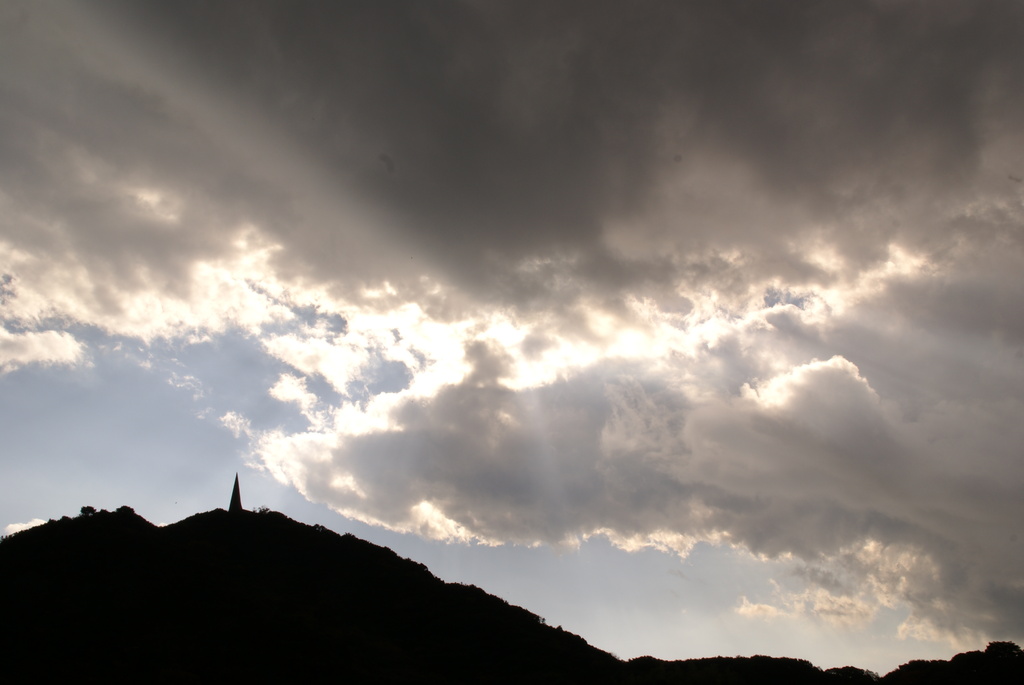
(236, 499)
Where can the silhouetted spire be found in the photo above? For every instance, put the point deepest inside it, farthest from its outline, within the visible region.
(236, 499)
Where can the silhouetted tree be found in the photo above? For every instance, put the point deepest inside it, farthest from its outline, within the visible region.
(1003, 650)
(1001, 662)
(852, 674)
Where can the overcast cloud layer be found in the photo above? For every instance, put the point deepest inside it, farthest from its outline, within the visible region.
(738, 272)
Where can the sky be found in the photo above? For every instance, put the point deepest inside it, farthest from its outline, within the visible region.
(695, 328)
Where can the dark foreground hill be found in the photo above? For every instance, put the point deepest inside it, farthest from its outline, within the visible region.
(258, 597)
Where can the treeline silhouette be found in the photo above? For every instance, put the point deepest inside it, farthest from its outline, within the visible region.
(258, 597)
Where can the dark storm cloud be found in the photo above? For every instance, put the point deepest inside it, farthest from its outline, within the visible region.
(81, 138)
(520, 129)
(118, 167)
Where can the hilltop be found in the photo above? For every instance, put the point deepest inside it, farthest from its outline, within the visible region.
(108, 596)
(258, 595)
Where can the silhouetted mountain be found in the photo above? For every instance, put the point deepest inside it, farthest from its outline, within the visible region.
(258, 597)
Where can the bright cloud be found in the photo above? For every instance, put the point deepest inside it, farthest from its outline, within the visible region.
(12, 528)
(38, 347)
